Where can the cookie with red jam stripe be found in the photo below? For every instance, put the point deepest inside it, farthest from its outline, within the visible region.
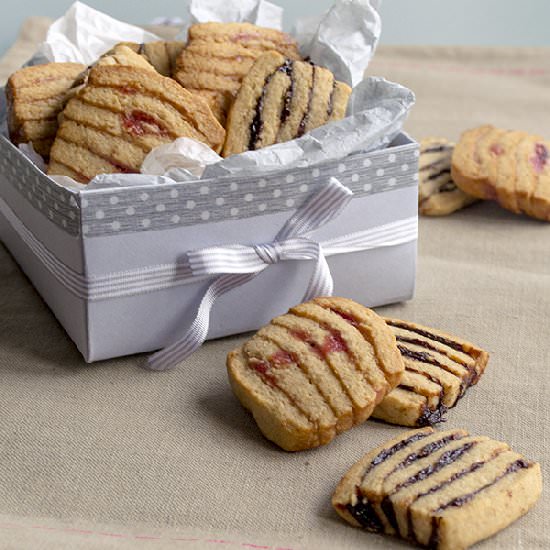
(439, 368)
(35, 97)
(219, 55)
(120, 115)
(315, 372)
(438, 195)
(281, 99)
(508, 166)
(444, 490)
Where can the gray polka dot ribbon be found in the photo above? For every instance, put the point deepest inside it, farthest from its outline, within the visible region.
(235, 265)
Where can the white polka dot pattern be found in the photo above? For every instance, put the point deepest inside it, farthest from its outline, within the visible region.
(191, 203)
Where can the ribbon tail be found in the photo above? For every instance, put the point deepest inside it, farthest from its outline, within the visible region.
(321, 282)
(172, 355)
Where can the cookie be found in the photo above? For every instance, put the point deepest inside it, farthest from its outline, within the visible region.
(219, 55)
(467, 171)
(281, 99)
(445, 490)
(507, 166)
(315, 372)
(161, 54)
(120, 115)
(35, 97)
(437, 193)
(439, 368)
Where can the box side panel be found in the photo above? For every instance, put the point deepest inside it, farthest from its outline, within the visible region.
(150, 321)
(69, 310)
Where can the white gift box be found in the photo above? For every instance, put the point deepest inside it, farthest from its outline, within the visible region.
(112, 263)
(127, 263)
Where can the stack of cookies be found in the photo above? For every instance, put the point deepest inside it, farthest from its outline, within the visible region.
(329, 364)
(233, 86)
(507, 166)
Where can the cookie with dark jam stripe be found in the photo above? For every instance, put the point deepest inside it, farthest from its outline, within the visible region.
(271, 109)
(439, 368)
(438, 195)
(442, 490)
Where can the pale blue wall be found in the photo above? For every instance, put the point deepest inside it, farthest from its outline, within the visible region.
(487, 22)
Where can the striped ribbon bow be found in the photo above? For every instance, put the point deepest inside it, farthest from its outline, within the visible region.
(238, 264)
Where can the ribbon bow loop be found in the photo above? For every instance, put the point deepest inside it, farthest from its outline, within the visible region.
(238, 264)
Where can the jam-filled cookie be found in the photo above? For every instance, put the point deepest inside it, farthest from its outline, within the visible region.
(281, 99)
(439, 368)
(315, 372)
(36, 95)
(219, 55)
(510, 167)
(120, 115)
(438, 195)
(444, 490)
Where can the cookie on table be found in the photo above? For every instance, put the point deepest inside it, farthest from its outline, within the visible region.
(439, 368)
(120, 115)
(219, 55)
(315, 372)
(35, 96)
(507, 166)
(281, 99)
(444, 490)
(161, 54)
(438, 195)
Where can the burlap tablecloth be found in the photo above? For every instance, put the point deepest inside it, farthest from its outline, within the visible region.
(112, 456)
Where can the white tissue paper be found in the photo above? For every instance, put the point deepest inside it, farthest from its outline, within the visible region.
(342, 39)
(84, 34)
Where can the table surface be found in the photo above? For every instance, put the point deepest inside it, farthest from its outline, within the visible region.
(109, 455)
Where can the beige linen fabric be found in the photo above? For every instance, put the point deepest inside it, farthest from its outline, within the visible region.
(108, 455)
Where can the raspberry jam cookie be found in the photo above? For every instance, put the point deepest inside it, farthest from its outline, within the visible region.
(315, 372)
(219, 55)
(438, 195)
(35, 96)
(510, 167)
(281, 99)
(120, 115)
(445, 490)
(439, 368)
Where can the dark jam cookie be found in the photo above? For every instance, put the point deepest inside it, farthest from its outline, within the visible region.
(438, 195)
(445, 490)
(36, 95)
(120, 115)
(281, 99)
(439, 368)
(311, 374)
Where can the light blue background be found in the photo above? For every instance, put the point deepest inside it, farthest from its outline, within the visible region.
(484, 22)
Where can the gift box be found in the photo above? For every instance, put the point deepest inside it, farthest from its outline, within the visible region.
(135, 268)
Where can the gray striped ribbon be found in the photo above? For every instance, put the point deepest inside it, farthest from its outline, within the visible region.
(238, 264)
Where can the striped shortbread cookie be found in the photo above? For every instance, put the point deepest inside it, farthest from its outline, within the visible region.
(438, 195)
(315, 372)
(444, 490)
(508, 166)
(161, 54)
(219, 55)
(439, 368)
(281, 99)
(121, 114)
(35, 97)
